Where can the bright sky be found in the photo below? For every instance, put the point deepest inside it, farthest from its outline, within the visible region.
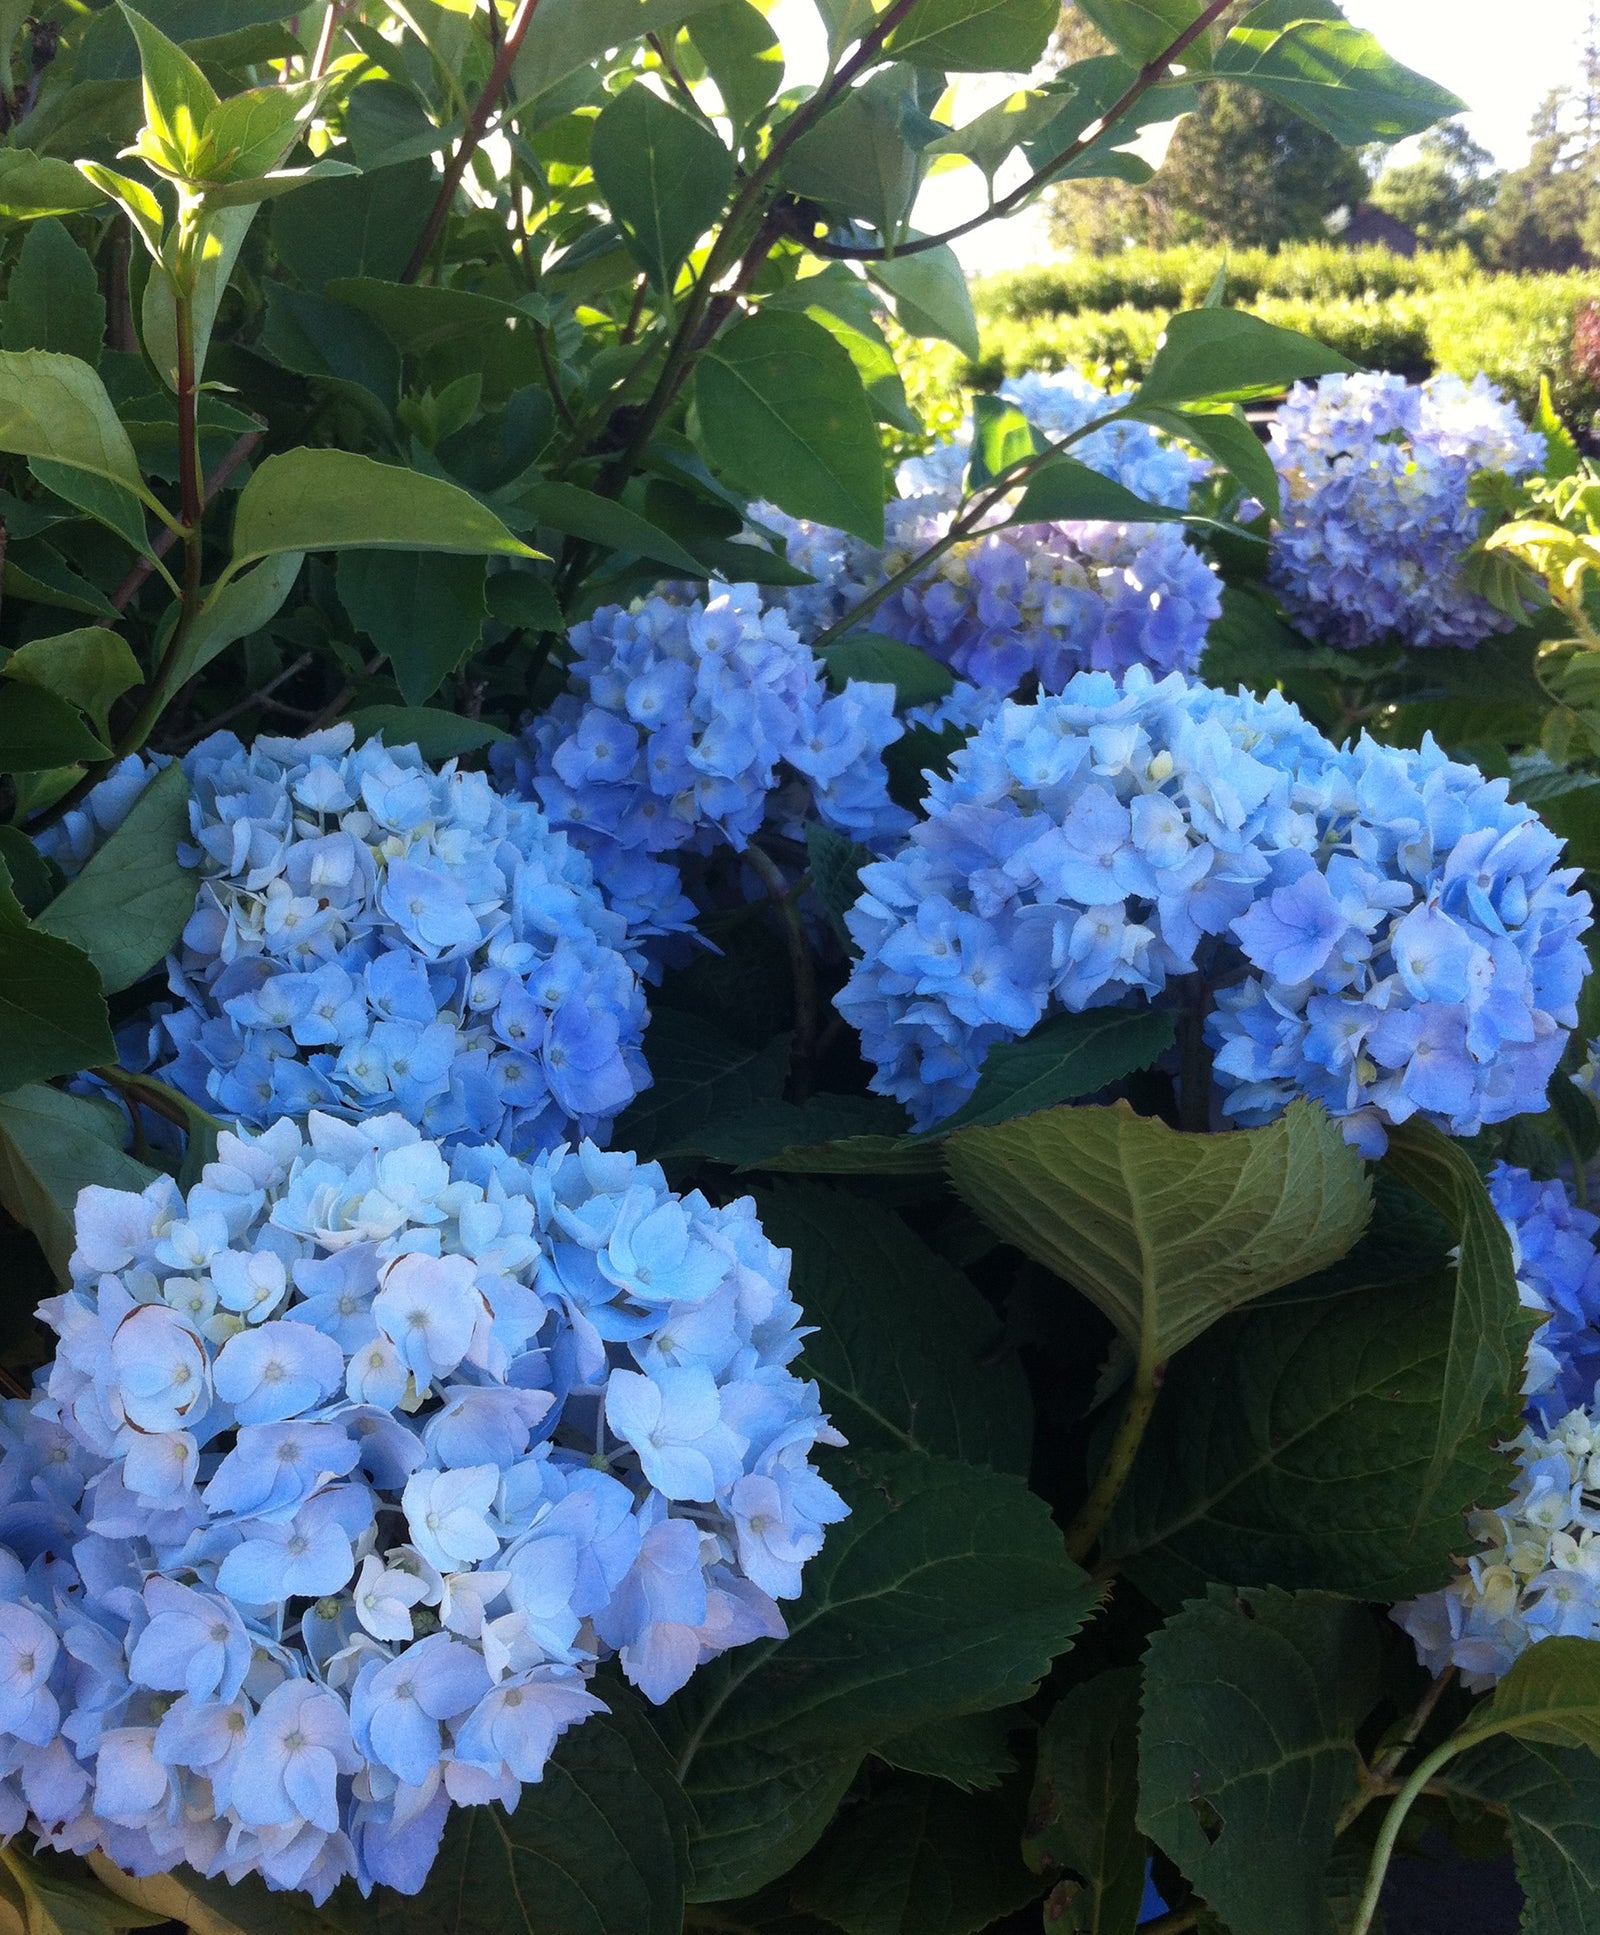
(1500, 56)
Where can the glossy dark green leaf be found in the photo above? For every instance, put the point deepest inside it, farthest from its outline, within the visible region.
(1064, 488)
(39, 730)
(783, 415)
(836, 863)
(700, 1077)
(771, 1135)
(970, 1751)
(1551, 1798)
(664, 174)
(88, 668)
(598, 520)
(1081, 1818)
(52, 1145)
(53, 1015)
(1064, 1059)
(313, 336)
(53, 298)
(917, 679)
(424, 611)
(438, 735)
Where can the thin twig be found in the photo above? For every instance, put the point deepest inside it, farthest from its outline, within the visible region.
(477, 127)
(261, 696)
(803, 1051)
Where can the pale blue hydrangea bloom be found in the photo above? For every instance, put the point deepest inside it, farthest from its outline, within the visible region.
(1558, 1275)
(265, 1609)
(1376, 524)
(371, 934)
(87, 826)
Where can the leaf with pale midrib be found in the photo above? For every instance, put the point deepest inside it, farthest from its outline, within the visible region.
(1551, 1796)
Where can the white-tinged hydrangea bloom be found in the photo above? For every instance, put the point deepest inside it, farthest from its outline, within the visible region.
(350, 1467)
(685, 730)
(1376, 522)
(371, 934)
(1039, 600)
(1384, 930)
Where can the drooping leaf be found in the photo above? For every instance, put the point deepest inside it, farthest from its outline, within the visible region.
(88, 668)
(1290, 1446)
(585, 514)
(56, 407)
(905, 1348)
(329, 500)
(700, 1076)
(424, 611)
(1229, 356)
(134, 897)
(238, 607)
(1551, 1695)
(1064, 488)
(1166, 1232)
(39, 730)
(53, 1016)
(32, 185)
(1085, 1797)
(438, 735)
(665, 177)
(1065, 1058)
(53, 298)
(1247, 1751)
(975, 36)
(52, 1145)
(1225, 437)
(863, 158)
(930, 297)
(783, 414)
(917, 678)
(1141, 29)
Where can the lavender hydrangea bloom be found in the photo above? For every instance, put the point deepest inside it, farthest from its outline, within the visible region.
(1558, 1275)
(262, 1612)
(372, 934)
(1376, 522)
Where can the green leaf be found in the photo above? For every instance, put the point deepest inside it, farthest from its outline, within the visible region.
(137, 202)
(1141, 29)
(1290, 1447)
(1551, 1695)
(990, 138)
(917, 678)
(251, 132)
(863, 159)
(438, 735)
(783, 415)
(527, 603)
(930, 297)
(1085, 1794)
(836, 864)
(945, 1591)
(53, 298)
(38, 731)
(1551, 1797)
(34, 881)
(664, 175)
(56, 407)
(134, 897)
(1227, 439)
(1247, 1751)
(1561, 453)
(53, 1015)
(88, 668)
(57, 1896)
(1334, 74)
(37, 572)
(358, 225)
(1166, 1232)
(770, 1135)
(1489, 1331)
(32, 185)
(700, 1077)
(312, 336)
(844, 305)
(51, 1146)
(598, 1846)
(905, 1347)
(975, 36)
(178, 99)
(424, 612)
(109, 504)
(1002, 438)
(331, 500)
(236, 608)
(969, 1751)
(1065, 488)
(742, 55)
(599, 520)
(1062, 1060)
(922, 1859)
(566, 35)
(222, 233)
(1228, 356)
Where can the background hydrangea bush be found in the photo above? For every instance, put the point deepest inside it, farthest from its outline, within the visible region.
(754, 1157)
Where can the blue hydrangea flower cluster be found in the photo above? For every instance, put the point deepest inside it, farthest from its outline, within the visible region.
(370, 934)
(1041, 600)
(1387, 932)
(689, 727)
(77, 835)
(1376, 522)
(1558, 1275)
(350, 1467)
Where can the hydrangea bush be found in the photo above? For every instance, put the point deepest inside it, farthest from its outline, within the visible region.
(750, 1165)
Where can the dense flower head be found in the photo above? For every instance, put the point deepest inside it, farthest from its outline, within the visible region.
(1376, 520)
(1558, 1275)
(1384, 930)
(688, 727)
(350, 1467)
(77, 835)
(371, 934)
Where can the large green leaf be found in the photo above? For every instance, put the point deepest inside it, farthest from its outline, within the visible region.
(1490, 1329)
(917, 678)
(1085, 1795)
(1226, 438)
(905, 1349)
(1141, 29)
(133, 899)
(975, 36)
(238, 607)
(424, 612)
(38, 730)
(1064, 488)
(315, 336)
(1166, 1232)
(1334, 74)
(178, 100)
(946, 1591)
(1247, 1750)
(664, 175)
(330, 500)
(53, 1016)
(783, 415)
(857, 160)
(930, 297)
(88, 668)
(742, 55)
(920, 1858)
(598, 520)
(700, 1077)
(359, 225)
(1228, 356)
(1064, 1058)
(1551, 1798)
(1290, 1447)
(1551, 1695)
(598, 1846)
(53, 299)
(56, 407)
(437, 734)
(52, 1145)
(566, 35)
(32, 185)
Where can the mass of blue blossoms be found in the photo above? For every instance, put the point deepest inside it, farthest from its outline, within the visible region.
(353, 1463)
(692, 726)
(370, 934)
(1383, 930)
(1376, 520)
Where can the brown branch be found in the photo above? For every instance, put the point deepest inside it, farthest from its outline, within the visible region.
(1143, 81)
(333, 20)
(261, 696)
(142, 568)
(477, 127)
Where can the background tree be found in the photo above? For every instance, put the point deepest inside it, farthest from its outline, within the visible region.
(1446, 193)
